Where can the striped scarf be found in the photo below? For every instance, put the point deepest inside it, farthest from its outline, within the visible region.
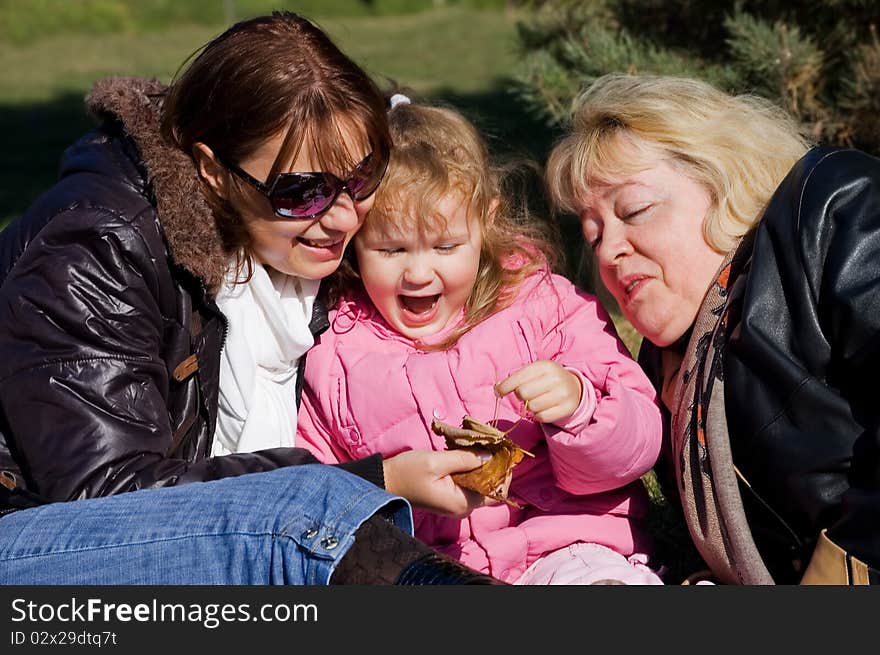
(704, 469)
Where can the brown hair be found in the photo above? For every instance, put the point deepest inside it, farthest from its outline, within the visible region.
(263, 76)
(437, 152)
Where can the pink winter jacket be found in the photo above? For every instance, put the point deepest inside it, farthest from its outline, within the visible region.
(369, 389)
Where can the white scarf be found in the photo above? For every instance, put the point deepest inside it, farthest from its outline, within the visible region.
(268, 333)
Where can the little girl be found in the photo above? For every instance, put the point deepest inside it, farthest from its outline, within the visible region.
(450, 309)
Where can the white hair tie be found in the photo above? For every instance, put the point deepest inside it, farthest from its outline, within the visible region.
(398, 99)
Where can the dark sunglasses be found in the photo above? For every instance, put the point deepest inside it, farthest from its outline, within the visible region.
(308, 195)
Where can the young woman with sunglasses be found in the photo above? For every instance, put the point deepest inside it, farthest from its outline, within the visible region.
(155, 308)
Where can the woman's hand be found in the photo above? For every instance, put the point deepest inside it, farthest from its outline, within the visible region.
(550, 392)
(423, 477)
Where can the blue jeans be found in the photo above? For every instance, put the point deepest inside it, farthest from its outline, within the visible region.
(288, 526)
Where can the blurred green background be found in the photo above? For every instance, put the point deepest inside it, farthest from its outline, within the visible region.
(51, 51)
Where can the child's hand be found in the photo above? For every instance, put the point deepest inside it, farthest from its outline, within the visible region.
(423, 478)
(552, 393)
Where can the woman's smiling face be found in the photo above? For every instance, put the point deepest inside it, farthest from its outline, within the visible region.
(646, 232)
(308, 248)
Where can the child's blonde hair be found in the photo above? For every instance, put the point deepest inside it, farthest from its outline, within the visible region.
(436, 152)
(738, 147)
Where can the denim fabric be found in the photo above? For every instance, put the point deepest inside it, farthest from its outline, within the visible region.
(288, 526)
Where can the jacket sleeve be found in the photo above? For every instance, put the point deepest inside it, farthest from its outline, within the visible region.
(316, 429)
(620, 439)
(807, 353)
(82, 382)
(853, 325)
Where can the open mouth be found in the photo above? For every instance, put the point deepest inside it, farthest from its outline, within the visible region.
(419, 306)
(324, 243)
(633, 286)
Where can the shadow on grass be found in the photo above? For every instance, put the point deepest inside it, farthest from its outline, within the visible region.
(503, 119)
(34, 136)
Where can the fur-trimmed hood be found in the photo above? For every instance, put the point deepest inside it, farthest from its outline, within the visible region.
(187, 221)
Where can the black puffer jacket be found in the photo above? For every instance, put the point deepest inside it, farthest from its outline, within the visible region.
(802, 364)
(109, 337)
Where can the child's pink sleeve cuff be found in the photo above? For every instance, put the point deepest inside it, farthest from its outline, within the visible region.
(581, 416)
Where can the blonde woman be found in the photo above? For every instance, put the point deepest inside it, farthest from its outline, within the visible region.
(748, 263)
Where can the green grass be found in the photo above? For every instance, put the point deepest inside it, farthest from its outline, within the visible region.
(433, 53)
(27, 21)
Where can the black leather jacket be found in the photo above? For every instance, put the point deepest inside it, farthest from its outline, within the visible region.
(109, 336)
(801, 397)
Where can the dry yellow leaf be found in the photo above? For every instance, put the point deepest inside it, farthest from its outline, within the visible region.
(491, 478)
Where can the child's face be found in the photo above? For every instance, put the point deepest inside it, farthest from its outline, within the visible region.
(418, 282)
